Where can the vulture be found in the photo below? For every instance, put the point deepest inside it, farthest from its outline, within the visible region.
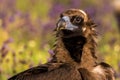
(74, 52)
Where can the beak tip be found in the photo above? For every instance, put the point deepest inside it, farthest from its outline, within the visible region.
(61, 24)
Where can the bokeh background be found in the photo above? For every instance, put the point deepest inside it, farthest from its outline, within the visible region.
(26, 31)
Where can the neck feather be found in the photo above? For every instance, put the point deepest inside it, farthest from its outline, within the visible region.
(76, 50)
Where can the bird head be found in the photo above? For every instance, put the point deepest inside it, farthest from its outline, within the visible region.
(74, 20)
(75, 29)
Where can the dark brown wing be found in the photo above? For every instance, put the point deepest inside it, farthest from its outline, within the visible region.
(28, 74)
(52, 71)
(37, 73)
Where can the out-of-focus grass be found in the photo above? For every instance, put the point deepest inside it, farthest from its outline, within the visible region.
(21, 44)
(21, 56)
(109, 47)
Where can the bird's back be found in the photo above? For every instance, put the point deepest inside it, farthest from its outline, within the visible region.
(49, 72)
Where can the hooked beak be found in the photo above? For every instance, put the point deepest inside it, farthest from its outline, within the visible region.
(61, 24)
(64, 23)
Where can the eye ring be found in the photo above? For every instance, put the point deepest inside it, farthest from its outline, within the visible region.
(78, 19)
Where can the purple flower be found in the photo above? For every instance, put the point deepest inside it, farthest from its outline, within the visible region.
(91, 11)
(4, 50)
(57, 8)
(51, 52)
(1, 1)
(10, 40)
(107, 7)
(112, 42)
(11, 18)
(47, 28)
(18, 13)
(49, 59)
(75, 3)
(11, 3)
(2, 15)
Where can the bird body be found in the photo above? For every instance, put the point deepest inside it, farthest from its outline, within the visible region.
(75, 57)
(51, 71)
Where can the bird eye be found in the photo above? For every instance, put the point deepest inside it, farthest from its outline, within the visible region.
(78, 19)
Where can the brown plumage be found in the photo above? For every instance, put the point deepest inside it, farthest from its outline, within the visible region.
(74, 57)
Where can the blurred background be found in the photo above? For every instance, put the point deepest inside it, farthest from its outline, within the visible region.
(26, 31)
